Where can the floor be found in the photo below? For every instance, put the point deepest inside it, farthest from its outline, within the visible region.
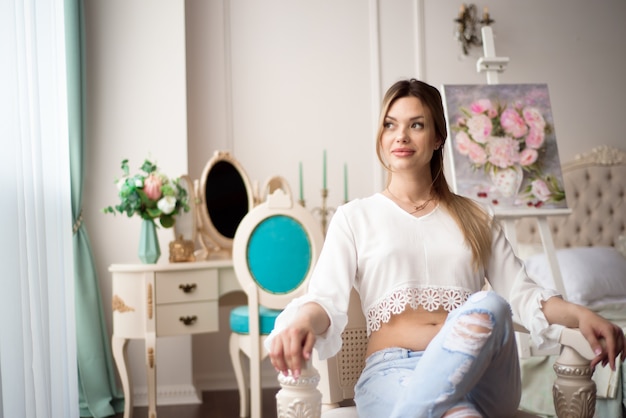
(220, 404)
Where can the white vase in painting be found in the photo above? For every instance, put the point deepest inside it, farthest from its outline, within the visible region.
(507, 181)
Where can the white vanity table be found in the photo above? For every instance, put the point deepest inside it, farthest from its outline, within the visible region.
(157, 300)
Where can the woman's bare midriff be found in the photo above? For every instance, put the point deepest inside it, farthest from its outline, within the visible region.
(412, 329)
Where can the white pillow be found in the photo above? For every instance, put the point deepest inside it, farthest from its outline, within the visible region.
(592, 276)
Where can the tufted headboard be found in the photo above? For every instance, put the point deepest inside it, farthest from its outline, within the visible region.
(595, 189)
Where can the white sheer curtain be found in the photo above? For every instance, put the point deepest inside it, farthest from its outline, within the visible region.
(37, 333)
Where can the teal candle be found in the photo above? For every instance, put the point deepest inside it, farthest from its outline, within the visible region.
(301, 186)
(324, 171)
(345, 182)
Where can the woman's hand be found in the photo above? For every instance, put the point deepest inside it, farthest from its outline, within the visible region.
(293, 346)
(606, 339)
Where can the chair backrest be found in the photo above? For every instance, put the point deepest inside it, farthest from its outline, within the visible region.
(273, 183)
(339, 374)
(274, 251)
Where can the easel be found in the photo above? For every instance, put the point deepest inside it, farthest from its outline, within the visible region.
(493, 65)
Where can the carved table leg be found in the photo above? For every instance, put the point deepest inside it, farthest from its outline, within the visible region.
(151, 371)
(119, 346)
(299, 398)
(574, 391)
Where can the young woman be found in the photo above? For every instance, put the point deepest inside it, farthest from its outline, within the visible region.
(418, 255)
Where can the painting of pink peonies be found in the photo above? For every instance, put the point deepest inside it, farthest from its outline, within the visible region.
(503, 147)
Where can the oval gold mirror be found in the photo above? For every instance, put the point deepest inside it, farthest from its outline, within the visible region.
(225, 197)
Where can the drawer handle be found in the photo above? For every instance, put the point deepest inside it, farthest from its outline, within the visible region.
(188, 320)
(187, 288)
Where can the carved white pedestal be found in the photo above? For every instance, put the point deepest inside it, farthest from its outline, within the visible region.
(299, 398)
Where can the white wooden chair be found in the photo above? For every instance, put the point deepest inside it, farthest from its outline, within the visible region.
(326, 388)
(274, 250)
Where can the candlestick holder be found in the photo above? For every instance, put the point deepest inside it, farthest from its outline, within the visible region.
(323, 210)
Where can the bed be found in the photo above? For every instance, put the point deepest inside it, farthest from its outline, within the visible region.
(591, 250)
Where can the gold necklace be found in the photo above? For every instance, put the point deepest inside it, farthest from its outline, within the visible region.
(416, 208)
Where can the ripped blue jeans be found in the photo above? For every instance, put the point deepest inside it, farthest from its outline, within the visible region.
(470, 369)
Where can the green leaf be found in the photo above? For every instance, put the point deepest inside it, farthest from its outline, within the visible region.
(148, 167)
(153, 212)
(167, 221)
(125, 167)
(167, 190)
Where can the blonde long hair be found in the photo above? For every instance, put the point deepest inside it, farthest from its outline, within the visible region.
(473, 220)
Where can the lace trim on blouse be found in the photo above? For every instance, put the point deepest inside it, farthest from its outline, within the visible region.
(429, 297)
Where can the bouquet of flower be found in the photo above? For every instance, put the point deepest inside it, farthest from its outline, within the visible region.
(150, 194)
(497, 137)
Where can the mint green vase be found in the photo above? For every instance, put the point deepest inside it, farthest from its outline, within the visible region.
(149, 250)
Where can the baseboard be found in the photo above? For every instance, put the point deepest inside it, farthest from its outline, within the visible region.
(168, 395)
(227, 381)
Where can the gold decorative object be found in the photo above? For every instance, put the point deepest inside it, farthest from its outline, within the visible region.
(182, 250)
(119, 305)
(151, 357)
(324, 211)
(466, 30)
(149, 299)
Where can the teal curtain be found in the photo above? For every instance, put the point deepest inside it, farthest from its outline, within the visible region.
(98, 392)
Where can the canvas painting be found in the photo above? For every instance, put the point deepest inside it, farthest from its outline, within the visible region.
(502, 143)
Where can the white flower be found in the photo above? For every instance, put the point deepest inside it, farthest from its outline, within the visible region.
(167, 204)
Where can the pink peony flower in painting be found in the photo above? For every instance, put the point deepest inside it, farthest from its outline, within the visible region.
(513, 123)
(535, 139)
(528, 157)
(540, 190)
(479, 127)
(503, 151)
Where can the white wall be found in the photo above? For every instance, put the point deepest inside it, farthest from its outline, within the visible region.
(278, 81)
(136, 104)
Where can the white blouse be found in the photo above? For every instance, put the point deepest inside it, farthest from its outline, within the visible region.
(396, 260)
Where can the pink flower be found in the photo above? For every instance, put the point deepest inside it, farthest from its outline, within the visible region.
(479, 127)
(540, 190)
(481, 106)
(535, 139)
(534, 119)
(477, 154)
(503, 151)
(528, 156)
(462, 142)
(513, 123)
(152, 187)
